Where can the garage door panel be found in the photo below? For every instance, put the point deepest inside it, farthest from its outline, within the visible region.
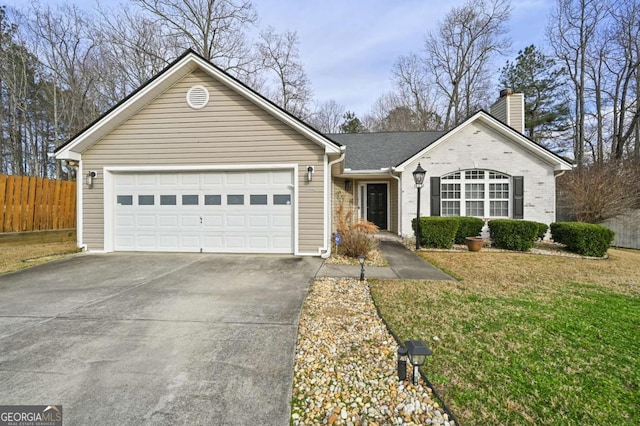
(281, 221)
(146, 221)
(259, 222)
(235, 220)
(213, 243)
(259, 242)
(235, 242)
(281, 179)
(191, 242)
(190, 221)
(146, 241)
(212, 220)
(126, 242)
(212, 180)
(146, 180)
(281, 243)
(125, 220)
(168, 180)
(236, 179)
(168, 241)
(238, 212)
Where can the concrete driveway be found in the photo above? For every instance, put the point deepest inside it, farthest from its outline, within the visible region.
(154, 338)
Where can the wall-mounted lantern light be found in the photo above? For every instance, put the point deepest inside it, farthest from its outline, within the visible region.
(418, 351)
(90, 177)
(309, 173)
(361, 260)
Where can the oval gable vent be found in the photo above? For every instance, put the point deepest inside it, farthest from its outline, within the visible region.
(198, 97)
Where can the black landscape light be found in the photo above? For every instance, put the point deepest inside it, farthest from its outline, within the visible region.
(361, 260)
(418, 351)
(402, 364)
(418, 178)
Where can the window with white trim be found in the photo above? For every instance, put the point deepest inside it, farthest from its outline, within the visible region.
(478, 193)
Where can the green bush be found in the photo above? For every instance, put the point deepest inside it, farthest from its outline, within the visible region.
(438, 232)
(468, 227)
(511, 234)
(586, 239)
(542, 229)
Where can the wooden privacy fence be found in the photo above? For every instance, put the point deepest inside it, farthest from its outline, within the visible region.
(36, 204)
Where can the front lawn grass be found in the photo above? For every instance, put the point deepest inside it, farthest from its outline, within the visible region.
(527, 339)
(17, 256)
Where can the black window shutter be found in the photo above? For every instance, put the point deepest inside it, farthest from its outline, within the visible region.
(518, 197)
(435, 196)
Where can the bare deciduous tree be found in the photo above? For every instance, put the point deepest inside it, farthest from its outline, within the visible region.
(279, 55)
(132, 49)
(216, 29)
(64, 44)
(572, 27)
(460, 52)
(328, 116)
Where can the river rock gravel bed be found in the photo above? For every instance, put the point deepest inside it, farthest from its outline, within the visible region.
(345, 364)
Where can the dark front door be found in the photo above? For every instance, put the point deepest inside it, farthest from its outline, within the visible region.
(377, 204)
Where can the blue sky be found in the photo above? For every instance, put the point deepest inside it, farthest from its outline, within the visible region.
(349, 46)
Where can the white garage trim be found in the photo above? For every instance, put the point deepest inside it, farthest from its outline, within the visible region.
(108, 173)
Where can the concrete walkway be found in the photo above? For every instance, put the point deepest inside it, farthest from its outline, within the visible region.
(403, 264)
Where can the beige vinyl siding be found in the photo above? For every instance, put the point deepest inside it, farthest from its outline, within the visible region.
(509, 109)
(230, 130)
(499, 109)
(516, 111)
(393, 208)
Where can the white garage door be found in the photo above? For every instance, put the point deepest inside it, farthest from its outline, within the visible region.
(224, 212)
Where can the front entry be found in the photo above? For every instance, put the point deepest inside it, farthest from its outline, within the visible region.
(377, 204)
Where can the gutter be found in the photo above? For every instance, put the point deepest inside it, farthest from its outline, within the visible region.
(329, 204)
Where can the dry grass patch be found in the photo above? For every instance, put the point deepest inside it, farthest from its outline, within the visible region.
(526, 339)
(19, 256)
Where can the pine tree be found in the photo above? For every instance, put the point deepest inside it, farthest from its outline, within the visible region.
(542, 82)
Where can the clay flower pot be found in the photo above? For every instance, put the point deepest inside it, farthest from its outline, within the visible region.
(474, 243)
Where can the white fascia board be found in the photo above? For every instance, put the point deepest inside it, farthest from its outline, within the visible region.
(68, 155)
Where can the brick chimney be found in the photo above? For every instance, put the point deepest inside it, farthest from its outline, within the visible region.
(509, 108)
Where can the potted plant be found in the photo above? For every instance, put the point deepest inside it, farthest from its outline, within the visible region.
(474, 243)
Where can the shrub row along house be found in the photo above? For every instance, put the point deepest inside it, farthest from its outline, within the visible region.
(196, 161)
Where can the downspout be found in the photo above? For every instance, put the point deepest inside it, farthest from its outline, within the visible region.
(329, 206)
(399, 218)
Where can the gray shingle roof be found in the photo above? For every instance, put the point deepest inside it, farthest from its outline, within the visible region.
(374, 151)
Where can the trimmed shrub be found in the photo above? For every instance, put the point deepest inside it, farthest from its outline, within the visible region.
(586, 239)
(542, 230)
(438, 232)
(468, 227)
(512, 234)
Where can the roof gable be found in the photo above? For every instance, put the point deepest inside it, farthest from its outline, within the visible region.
(184, 65)
(510, 135)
